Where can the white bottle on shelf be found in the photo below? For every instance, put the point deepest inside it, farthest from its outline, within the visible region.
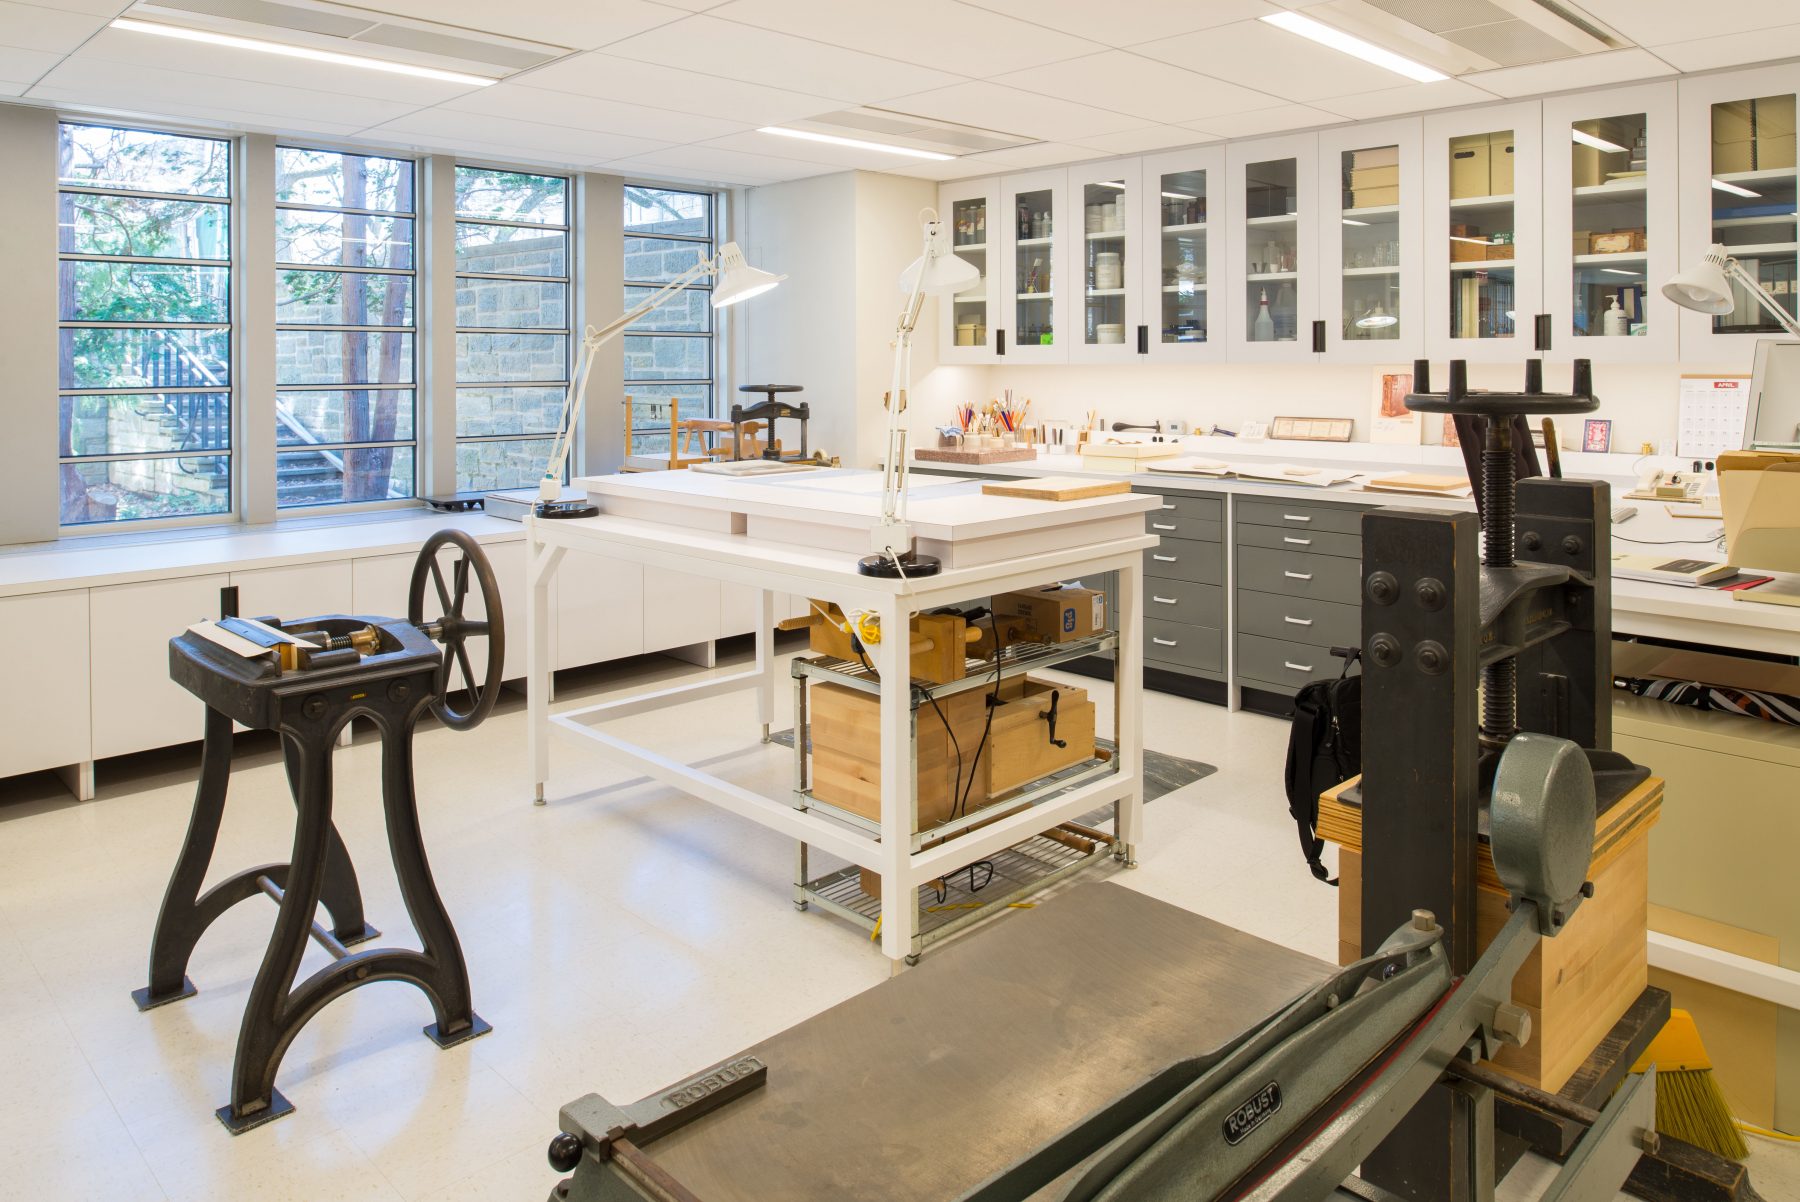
(1263, 328)
(1615, 323)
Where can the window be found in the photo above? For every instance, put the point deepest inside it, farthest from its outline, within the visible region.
(144, 324)
(512, 324)
(345, 328)
(668, 353)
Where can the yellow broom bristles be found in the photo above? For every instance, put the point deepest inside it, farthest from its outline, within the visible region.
(1689, 1105)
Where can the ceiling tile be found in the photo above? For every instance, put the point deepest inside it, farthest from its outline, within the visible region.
(692, 6)
(96, 8)
(25, 66)
(251, 66)
(1133, 22)
(940, 33)
(79, 102)
(12, 89)
(1612, 66)
(842, 158)
(727, 166)
(579, 26)
(1009, 110)
(1411, 98)
(1255, 55)
(52, 29)
(1275, 120)
(1732, 49)
(577, 144)
(143, 89)
(1661, 22)
(585, 112)
(1145, 88)
(1140, 141)
(1037, 154)
(954, 169)
(609, 77)
(741, 52)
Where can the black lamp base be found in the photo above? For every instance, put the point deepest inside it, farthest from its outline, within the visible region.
(565, 509)
(910, 564)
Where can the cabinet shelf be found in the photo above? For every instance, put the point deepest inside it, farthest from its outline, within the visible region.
(1106, 236)
(970, 300)
(1770, 175)
(1480, 265)
(1035, 296)
(970, 248)
(1290, 219)
(1046, 241)
(1761, 248)
(1481, 202)
(1362, 271)
(1628, 256)
(1624, 187)
(1373, 211)
(1105, 292)
(1191, 228)
(1184, 287)
(1256, 276)
(1738, 223)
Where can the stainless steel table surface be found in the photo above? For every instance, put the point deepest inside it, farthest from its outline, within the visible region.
(929, 1083)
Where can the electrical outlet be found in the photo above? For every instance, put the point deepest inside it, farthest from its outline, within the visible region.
(1174, 425)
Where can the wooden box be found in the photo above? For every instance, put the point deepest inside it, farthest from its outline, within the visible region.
(1054, 614)
(1469, 167)
(1020, 749)
(1576, 985)
(846, 750)
(1617, 242)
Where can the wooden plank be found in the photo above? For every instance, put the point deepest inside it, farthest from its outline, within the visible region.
(943, 455)
(1056, 488)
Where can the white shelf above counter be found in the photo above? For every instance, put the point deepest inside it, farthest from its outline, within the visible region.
(1271, 276)
(1620, 188)
(1193, 227)
(1629, 256)
(1480, 265)
(1352, 272)
(1044, 241)
(1289, 219)
(1106, 236)
(1178, 288)
(1035, 296)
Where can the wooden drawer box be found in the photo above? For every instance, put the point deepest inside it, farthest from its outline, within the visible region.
(1300, 574)
(1173, 525)
(1020, 749)
(1317, 542)
(1300, 619)
(1185, 559)
(1203, 509)
(1184, 601)
(1337, 519)
(846, 750)
(1578, 984)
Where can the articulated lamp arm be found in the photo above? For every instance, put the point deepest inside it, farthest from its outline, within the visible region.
(1753, 286)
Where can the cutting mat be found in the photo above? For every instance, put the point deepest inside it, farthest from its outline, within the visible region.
(1056, 488)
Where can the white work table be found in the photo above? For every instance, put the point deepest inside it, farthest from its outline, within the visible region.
(802, 535)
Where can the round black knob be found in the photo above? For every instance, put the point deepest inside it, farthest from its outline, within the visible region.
(1383, 588)
(1430, 593)
(1384, 649)
(1571, 545)
(1431, 657)
(565, 1152)
(1530, 540)
(313, 707)
(399, 691)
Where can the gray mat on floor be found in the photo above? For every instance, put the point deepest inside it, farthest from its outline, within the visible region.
(1162, 773)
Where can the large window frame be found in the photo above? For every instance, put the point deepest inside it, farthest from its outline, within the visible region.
(551, 391)
(208, 410)
(649, 436)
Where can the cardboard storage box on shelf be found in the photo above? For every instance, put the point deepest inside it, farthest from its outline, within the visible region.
(1617, 242)
(1464, 252)
(1497, 249)
(1373, 197)
(1775, 134)
(1374, 177)
(1054, 614)
(1500, 164)
(1588, 167)
(1469, 171)
(1374, 156)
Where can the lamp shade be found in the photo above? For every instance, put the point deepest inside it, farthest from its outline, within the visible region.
(735, 280)
(1703, 287)
(945, 273)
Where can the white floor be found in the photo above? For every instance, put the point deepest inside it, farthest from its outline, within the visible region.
(619, 938)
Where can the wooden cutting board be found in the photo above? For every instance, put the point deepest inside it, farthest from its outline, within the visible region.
(1056, 488)
(1419, 482)
(944, 455)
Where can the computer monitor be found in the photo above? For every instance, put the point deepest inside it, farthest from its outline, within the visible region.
(1772, 422)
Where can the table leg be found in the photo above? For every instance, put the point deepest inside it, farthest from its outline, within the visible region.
(540, 572)
(899, 801)
(765, 660)
(1128, 709)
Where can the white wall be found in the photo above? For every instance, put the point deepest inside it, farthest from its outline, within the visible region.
(888, 238)
(28, 471)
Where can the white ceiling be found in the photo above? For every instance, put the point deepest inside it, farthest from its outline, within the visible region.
(675, 89)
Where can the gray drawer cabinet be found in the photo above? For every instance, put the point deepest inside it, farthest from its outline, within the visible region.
(1184, 559)
(1334, 519)
(1299, 619)
(1184, 586)
(1174, 525)
(1281, 666)
(1180, 645)
(1298, 591)
(1318, 542)
(1299, 574)
(1203, 509)
(1184, 601)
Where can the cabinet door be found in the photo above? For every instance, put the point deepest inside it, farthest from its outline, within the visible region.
(1738, 193)
(1102, 261)
(1484, 252)
(49, 722)
(135, 704)
(967, 321)
(1272, 254)
(1371, 193)
(1181, 207)
(1034, 303)
(1610, 230)
(599, 607)
(302, 590)
(679, 608)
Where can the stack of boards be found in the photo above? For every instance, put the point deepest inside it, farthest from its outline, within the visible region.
(1420, 484)
(1055, 488)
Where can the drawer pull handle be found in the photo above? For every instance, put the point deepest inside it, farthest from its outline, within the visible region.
(1298, 542)
(1164, 600)
(1298, 575)
(1162, 526)
(1164, 642)
(1288, 663)
(1168, 504)
(1162, 558)
(1295, 517)
(1298, 621)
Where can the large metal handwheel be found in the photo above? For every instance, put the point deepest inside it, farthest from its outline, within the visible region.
(463, 708)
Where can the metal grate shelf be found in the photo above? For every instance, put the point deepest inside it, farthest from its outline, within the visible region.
(979, 673)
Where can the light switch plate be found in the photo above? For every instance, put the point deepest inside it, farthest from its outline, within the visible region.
(1174, 425)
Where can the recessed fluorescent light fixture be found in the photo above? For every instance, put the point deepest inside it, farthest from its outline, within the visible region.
(1587, 139)
(307, 52)
(1619, 271)
(1720, 185)
(807, 135)
(1338, 40)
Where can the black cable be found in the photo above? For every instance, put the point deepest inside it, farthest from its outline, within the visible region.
(926, 693)
(993, 700)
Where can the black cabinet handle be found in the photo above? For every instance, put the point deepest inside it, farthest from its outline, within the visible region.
(1000, 342)
(1143, 340)
(1318, 337)
(1542, 323)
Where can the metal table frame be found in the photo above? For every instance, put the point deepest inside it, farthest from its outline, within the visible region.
(772, 567)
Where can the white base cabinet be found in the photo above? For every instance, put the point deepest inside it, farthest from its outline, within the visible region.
(48, 721)
(135, 705)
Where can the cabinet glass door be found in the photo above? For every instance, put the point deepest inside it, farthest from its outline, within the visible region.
(1033, 285)
(969, 309)
(1369, 193)
(1483, 256)
(1272, 250)
(1103, 197)
(1753, 198)
(1182, 279)
(1609, 190)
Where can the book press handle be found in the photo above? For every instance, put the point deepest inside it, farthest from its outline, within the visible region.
(307, 680)
(1288, 1110)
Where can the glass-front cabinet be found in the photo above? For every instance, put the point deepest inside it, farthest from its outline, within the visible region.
(1034, 296)
(966, 321)
(1102, 245)
(1181, 211)
(1484, 223)
(1370, 187)
(1272, 261)
(1738, 191)
(1610, 224)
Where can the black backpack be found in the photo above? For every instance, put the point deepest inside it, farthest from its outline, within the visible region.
(1324, 750)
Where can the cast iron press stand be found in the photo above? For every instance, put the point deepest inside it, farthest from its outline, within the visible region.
(390, 672)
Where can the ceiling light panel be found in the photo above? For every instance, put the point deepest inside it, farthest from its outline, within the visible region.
(1259, 56)
(336, 58)
(807, 135)
(1355, 47)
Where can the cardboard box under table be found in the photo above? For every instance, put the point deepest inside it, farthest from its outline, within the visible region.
(1054, 614)
(1575, 986)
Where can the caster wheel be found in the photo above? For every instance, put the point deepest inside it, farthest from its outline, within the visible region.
(912, 960)
(800, 906)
